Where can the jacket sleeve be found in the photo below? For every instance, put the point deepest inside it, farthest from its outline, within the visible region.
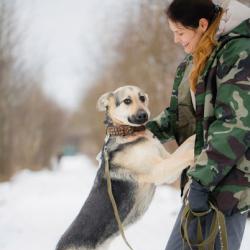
(160, 126)
(229, 133)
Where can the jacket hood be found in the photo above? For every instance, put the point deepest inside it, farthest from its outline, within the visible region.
(235, 14)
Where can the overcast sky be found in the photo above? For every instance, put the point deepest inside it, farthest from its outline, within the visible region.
(70, 40)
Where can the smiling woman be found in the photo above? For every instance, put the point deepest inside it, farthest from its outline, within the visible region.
(195, 31)
(210, 98)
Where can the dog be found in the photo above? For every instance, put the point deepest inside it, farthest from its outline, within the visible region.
(137, 163)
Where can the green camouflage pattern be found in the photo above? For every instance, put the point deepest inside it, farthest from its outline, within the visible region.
(221, 120)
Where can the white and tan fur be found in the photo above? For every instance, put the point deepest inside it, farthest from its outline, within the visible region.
(137, 162)
(153, 163)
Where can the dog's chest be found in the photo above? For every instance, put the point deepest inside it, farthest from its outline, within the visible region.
(141, 156)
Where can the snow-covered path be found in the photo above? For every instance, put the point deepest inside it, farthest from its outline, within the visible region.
(36, 208)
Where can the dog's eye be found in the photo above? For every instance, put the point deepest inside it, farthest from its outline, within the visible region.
(127, 101)
(142, 98)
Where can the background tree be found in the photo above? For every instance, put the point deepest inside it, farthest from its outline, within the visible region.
(31, 125)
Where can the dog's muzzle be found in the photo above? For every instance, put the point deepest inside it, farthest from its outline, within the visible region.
(140, 117)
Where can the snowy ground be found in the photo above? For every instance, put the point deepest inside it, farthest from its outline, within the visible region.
(36, 208)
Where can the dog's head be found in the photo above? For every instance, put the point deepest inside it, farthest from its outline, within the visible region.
(126, 105)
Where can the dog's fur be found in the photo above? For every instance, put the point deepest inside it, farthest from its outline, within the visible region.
(137, 162)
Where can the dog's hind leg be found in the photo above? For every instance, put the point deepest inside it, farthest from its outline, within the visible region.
(105, 245)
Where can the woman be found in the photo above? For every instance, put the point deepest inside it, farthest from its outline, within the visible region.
(211, 98)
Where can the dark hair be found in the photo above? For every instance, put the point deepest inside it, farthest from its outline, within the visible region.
(189, 12)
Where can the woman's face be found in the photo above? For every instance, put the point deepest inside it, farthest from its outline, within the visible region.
(188, 38)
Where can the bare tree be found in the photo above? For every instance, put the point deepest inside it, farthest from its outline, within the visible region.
(31, 124)
(6, 91)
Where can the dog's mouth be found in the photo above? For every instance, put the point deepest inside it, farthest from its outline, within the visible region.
(140, 118)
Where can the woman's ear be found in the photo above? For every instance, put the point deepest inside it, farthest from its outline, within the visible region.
(203, 25)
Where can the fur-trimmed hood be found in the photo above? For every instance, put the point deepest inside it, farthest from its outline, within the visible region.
(235, 14)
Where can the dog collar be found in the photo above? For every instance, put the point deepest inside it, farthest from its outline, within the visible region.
(124, 130)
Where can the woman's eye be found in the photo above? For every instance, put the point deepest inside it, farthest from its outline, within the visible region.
(142, 98)
(127, 101)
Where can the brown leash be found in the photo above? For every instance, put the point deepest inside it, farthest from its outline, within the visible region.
(218, 227)
(111, 196)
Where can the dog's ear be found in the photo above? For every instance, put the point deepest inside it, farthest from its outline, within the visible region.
(103, 101)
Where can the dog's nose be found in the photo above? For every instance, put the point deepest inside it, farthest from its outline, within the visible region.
(141, 116)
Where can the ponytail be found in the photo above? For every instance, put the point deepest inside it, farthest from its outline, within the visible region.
(203, 51)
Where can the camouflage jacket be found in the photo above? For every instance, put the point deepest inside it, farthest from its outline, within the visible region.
(221, 120)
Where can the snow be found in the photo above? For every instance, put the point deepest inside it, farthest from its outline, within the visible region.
(37, 207)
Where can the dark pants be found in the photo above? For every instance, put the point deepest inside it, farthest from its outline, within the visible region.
(235, 229)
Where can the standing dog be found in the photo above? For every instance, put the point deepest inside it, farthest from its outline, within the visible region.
(137, 161)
